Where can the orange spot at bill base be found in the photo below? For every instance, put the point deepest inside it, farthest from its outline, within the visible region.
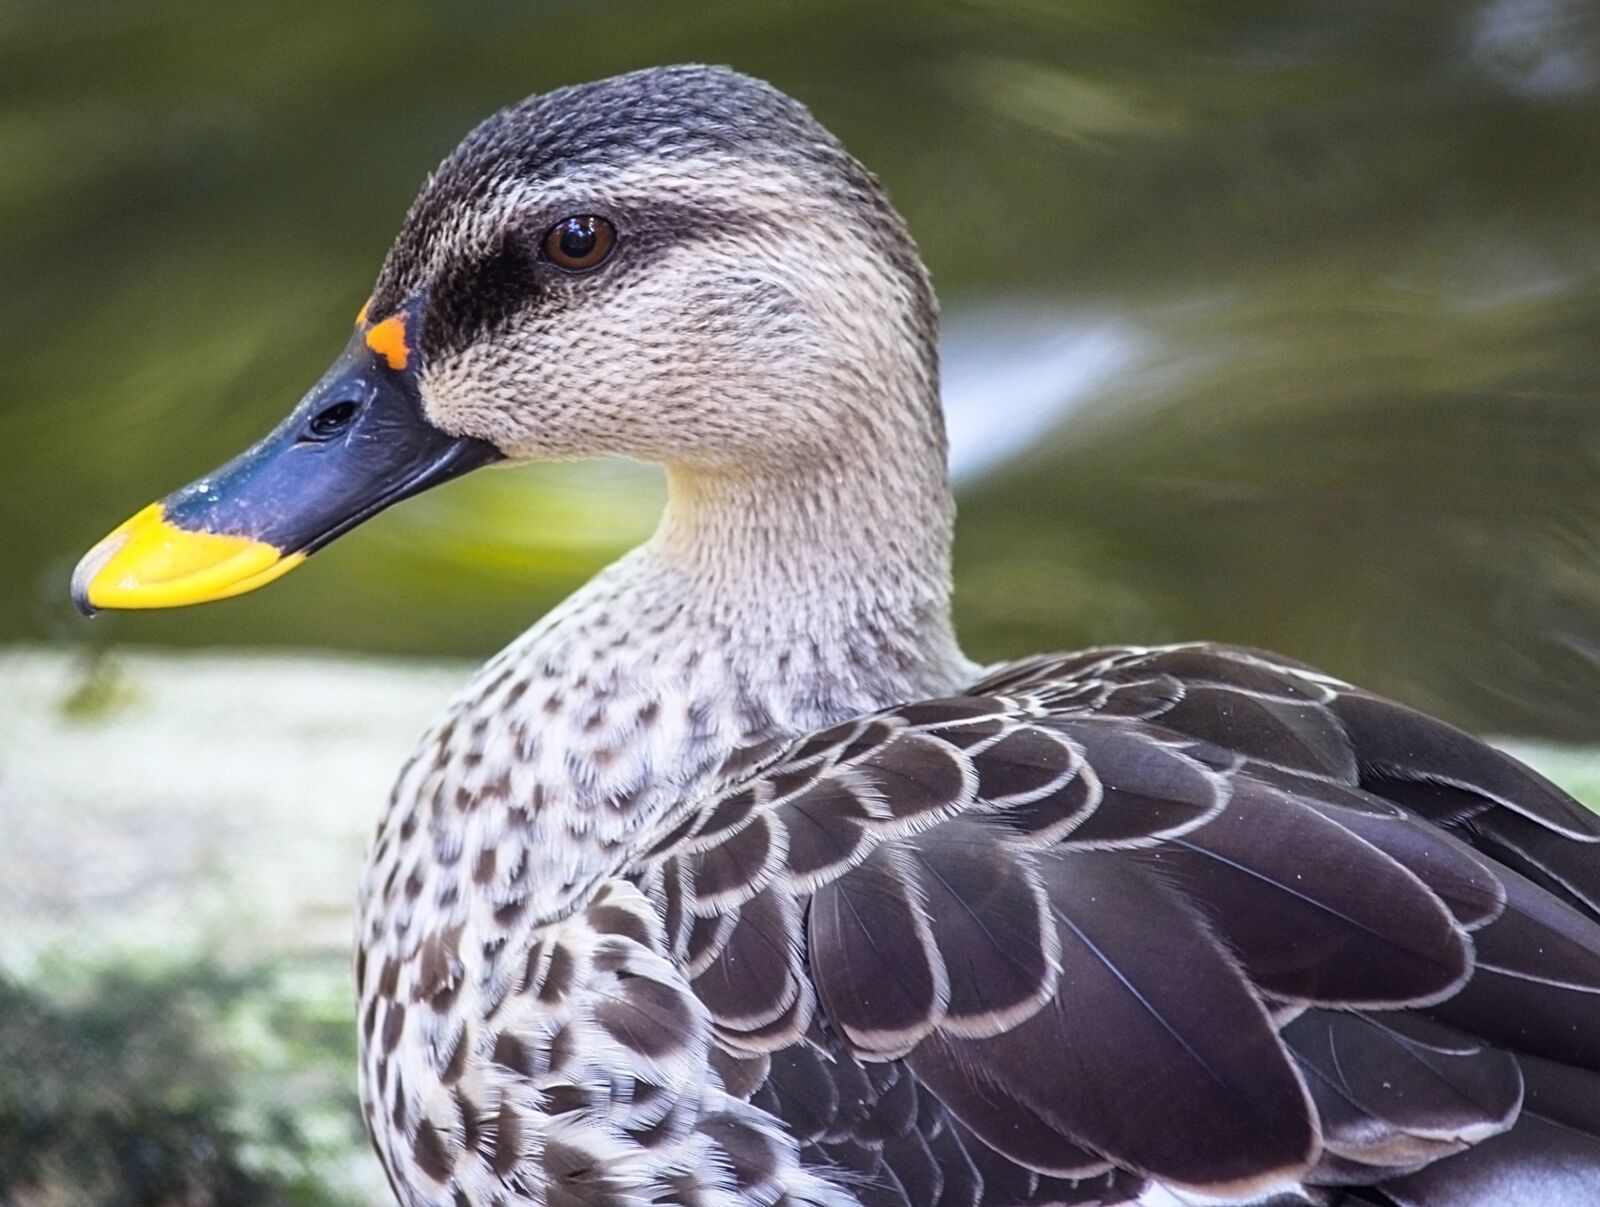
(361, 315)
(388, 340)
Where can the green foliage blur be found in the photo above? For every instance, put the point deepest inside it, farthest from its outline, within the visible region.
(135, 1086)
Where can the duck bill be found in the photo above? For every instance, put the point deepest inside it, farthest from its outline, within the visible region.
(357, 443)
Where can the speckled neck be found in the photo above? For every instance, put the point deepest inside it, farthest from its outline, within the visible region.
(762, 608)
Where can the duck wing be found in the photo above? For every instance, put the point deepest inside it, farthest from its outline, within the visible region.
(1194, 916)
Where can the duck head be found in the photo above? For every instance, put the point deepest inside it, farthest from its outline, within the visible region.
(678, 265)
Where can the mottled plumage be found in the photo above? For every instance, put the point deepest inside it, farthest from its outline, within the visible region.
(734, 883)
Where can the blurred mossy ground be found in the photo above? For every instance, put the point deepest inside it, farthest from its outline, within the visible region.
(180, 841)
(184, 1084)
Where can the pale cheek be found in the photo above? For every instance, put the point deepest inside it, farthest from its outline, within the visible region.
(453, 401)
(679, 367)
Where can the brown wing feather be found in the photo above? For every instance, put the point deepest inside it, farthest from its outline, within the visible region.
(1084, 926)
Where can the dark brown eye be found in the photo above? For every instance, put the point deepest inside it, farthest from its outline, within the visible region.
(579, 243)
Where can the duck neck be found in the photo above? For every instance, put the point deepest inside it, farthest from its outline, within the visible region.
(766, 605)
(835, 572)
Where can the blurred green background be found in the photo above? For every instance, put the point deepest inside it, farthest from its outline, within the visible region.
(1271, 321)
(1354, 242)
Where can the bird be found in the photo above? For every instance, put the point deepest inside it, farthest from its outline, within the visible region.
(734, 882)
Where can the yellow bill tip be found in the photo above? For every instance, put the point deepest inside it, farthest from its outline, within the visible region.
(149, 562)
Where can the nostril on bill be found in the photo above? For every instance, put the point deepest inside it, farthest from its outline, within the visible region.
(332, 420)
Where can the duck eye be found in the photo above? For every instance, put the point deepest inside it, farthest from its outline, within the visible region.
(332, 420)
(579, 243)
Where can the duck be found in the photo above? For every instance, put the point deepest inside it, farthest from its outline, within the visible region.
(733, 882)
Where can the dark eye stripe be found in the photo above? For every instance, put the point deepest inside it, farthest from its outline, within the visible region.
(473, 298)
